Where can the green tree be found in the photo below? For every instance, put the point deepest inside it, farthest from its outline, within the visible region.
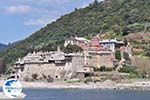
(72, 49)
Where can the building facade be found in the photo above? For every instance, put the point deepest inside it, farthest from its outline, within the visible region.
(57, 65)
(111, 44)
(79, 41)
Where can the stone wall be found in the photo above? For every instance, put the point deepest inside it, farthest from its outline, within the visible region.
(102, 60)
(43, 69)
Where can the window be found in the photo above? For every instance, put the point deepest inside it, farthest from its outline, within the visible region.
(22, 68)
(41, 59)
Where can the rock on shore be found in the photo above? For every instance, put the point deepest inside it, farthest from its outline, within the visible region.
(108, 84)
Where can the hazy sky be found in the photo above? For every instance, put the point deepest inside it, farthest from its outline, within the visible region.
(21, 18)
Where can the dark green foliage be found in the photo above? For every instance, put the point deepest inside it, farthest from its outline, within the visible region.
(128, 69)
(131, 71)
(87, 80)
(103, 69)
(117, 16)
(147, 53)
(108, 69)
(118, 55)
(49, 47)
(2, 66)
(147, 50)
(72, 49)
(136, 27)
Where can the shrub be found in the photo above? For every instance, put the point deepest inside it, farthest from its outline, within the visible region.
(34, 76)
(88, 80)
(128, 69)
(118, 55)
(108, 69)
(147, 52)
(72, 48)
(103, 68)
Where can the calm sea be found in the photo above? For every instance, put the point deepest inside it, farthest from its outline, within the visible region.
(81, 94)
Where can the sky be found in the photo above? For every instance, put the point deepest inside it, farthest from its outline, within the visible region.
(20, 18)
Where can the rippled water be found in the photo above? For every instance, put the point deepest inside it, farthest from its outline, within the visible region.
(81, 94)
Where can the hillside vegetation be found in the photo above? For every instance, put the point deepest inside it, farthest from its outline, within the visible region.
(116, 17)
(140, 43)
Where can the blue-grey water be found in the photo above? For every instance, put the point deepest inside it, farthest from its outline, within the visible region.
(83, 94)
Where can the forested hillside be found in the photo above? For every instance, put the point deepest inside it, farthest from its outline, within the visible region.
(116, 17)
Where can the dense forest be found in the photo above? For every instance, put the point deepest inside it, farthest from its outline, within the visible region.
(116, 17)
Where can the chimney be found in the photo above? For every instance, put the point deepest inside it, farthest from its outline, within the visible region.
(58, 49)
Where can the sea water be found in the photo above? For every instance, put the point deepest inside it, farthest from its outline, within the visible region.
(84, 94)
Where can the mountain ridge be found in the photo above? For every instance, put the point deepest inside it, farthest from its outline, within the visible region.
(117, 17)
(3, 46)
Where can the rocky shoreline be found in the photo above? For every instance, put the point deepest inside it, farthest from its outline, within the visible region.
(108, 84)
